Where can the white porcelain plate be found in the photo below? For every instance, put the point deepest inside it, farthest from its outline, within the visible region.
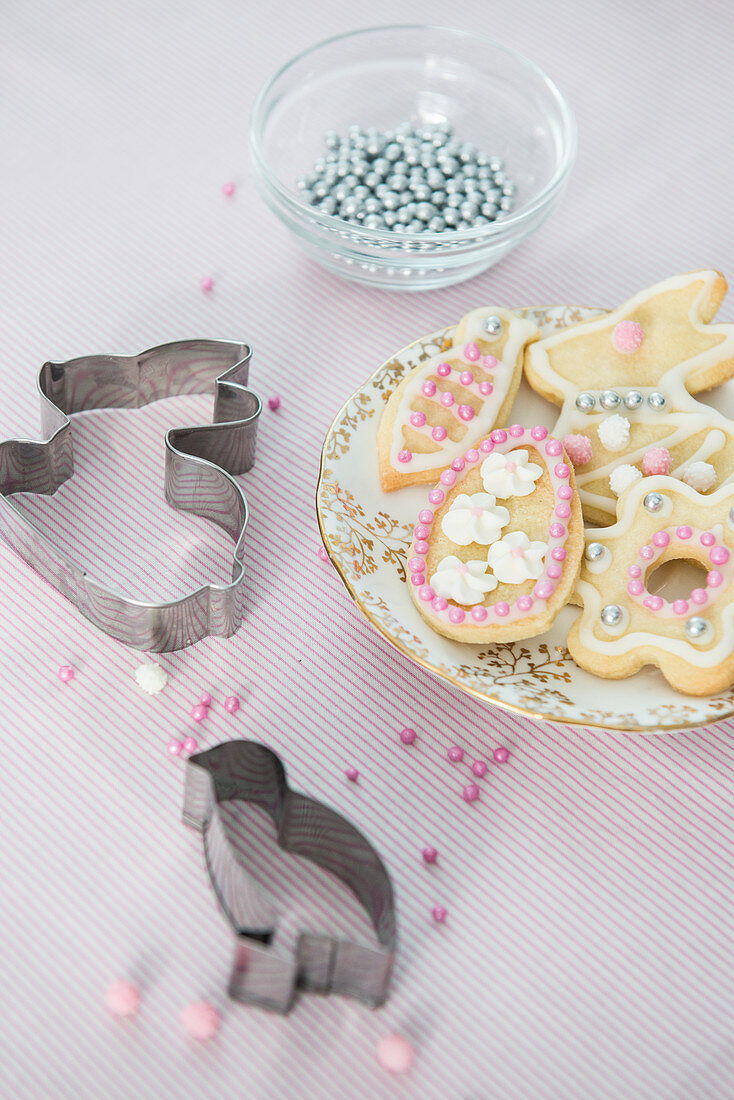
(367, 533)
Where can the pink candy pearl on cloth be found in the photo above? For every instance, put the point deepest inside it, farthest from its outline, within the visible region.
(407, 736)
(455, 754)
(200, 1021)
(66, 674)
(395, 1054)
(274, 402)
(199, 712)
(430, 854)
(174, 747)
(470, 793)
(231, 704)
(439, 914)
(351, 773)
(123, 998)
(479, 768)
(501, 755)
(205, 699)
(228, 189)
(190, 745)
(207, 283)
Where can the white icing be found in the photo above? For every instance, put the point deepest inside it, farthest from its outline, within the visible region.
(622, 477)
(510, 475)
(463, 582)
(475, 518)
(515, 558)
(632, 509)
(683, 416)
(614, 432)
(519, 331)
(701, 476)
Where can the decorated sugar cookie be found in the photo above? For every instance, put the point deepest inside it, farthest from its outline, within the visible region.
(496, 552)
(624, 625)
(454, 399)
(625, 382)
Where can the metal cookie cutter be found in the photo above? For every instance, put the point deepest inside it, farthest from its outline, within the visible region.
(263, 973)
(201, 463)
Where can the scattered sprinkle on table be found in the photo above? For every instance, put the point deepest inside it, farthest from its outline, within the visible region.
(471, 792)
(501, 755)
(190, 745)
(123, 998)
(352, 774)
(395, 1054)
(479, 768)
(207, 283)
(430, 854)
(66, 674)
(174, 747)
(407, 736)
(199, 712)
(228, 189)
(274, 402)
(322, 553)
(439, 914)
(455, 754)
(231, 704)
(200, 1021)
(151, 678)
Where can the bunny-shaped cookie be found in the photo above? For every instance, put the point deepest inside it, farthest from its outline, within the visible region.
(625, 381)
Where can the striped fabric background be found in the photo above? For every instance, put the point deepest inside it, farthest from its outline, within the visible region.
(587, 953)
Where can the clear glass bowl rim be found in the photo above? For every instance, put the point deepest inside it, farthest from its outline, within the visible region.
(385, 236)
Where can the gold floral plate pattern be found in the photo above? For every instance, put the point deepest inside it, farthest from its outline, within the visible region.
(367, 533)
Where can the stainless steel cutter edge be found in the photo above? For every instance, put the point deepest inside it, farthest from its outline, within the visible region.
(201, 463)
(263, 973)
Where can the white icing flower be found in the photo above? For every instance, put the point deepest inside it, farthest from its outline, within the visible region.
(515, 558)
(701, 476)
(151, 678)
(621, 478)
(475, 518)
(510, 475)
(464, 582)
(614, 432)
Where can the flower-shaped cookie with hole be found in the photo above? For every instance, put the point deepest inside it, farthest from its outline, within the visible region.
(624, 625)
(626, 380)
(475, 588)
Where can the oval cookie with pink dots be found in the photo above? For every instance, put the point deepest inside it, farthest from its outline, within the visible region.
(497, 548)
(627, 621)
(454, 399)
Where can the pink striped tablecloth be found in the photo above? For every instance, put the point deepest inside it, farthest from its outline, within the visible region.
(587, 951)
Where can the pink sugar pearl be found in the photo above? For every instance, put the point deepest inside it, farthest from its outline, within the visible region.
(200, 1021)
(501, 755)
(205, 699)
(274, 402)
(455, 754)
(470, 793)
(479, 768)
(207, 283)
(231, 704)
(407, 736)
(351, 773)
(656, 460)
(174, 747)
(579, 449)
(322, 553)
(228, 189)
(627, 336)
(199, 712)
(395, 1053)
(123, 998)
(66, 674)
(439, 914)
(190, 745)
(430, 854)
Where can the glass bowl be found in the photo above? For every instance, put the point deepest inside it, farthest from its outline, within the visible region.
(427, 76)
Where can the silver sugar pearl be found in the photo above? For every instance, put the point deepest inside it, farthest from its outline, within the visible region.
(696, 627)
(489, 209)
(611, 615)
(424, 211)
(391, 200)
(633, 399)
(373, 221)
(496, 164)
(610, 399)
(585, 402)
(320, 189)
(372, 205)
(332, 139)
(507, 203)
(451, 216)
(436, 225)
(438, 198)
(493, 326)
(328, 205)
(656, 401)
(594, 551)
(468, 210)
(652, 503)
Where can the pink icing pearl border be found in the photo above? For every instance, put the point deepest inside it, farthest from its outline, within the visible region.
(501, 441)
(681, 536)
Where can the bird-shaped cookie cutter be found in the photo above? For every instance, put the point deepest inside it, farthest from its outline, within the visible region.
(264, 973)
(200, 466)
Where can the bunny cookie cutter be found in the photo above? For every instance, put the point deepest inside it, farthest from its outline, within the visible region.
(201, 463)
(264, 973)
